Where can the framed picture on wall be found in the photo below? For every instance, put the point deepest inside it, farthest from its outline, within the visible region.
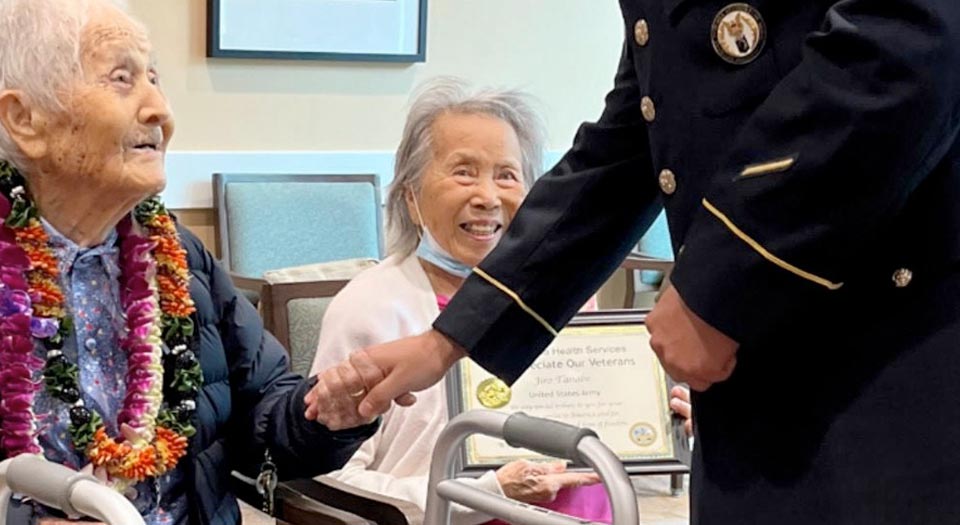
(356, 30)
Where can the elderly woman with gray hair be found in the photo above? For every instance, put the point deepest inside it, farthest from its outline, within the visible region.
(125, 351)
(464, 165)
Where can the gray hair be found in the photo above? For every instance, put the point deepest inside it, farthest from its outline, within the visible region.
(450, 95)
(40, 53)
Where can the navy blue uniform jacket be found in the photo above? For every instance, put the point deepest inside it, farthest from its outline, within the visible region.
(812, 201)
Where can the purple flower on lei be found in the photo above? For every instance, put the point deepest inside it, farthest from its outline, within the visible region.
(18, 365)
(13, 302)
(44, 327)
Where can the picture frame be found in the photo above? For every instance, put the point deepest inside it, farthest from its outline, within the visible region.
(599, 373)
(347, 30)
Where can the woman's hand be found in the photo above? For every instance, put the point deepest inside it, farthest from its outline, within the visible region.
(365, 385)
(680, 403)
(530, 482)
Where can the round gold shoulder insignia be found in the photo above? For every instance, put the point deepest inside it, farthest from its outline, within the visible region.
(643, 434)
(738, 33)
(493, 393)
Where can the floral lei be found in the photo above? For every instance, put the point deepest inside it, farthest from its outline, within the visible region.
(154, 419)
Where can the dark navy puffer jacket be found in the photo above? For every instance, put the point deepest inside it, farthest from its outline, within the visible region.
(249, 400)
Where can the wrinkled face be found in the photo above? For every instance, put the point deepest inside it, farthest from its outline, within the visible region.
(473, 185)
(117, 124)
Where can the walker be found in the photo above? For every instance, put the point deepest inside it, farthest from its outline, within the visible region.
(541, 435)
(65, 489)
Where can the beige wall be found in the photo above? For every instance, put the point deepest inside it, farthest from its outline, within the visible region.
(563, 51)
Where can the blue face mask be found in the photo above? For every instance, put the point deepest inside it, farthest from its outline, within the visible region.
(430, 250)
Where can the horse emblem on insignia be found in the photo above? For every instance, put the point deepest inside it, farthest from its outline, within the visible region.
(738, 33)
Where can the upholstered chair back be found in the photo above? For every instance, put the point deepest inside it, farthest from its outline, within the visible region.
(295, 299)
(266, 222)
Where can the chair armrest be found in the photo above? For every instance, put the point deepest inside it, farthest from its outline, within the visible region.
(291, 506)
(383, 510)
(639, 261)
(250, 287)
(247, 283)
(297, 509)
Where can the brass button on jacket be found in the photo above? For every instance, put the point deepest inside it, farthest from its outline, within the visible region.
(648, 109)
(641, 32)
(902, 277)
(668, 182)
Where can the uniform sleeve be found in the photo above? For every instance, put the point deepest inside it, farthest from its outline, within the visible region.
(824, 164)
(572, 231)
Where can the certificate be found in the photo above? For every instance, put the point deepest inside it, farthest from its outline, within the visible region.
(599, 373)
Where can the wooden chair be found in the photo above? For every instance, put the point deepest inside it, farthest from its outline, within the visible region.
(294, 301)
(377, 508)
(294, 507)
(638, 262)
(293, 311)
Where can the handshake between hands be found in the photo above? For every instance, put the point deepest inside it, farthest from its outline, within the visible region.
(364, 386)
(357, 390)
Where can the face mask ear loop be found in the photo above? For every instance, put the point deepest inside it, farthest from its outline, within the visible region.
(416, 206)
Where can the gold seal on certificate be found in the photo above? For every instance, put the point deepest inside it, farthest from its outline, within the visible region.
(493, 393)
(643, 434)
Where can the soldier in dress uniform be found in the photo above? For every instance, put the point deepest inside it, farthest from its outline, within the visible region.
(807, 155)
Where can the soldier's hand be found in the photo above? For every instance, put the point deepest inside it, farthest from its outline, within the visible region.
(393, 371)
(366, 385)
(690, 350)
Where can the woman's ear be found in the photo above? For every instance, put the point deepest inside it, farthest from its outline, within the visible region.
(23, 123)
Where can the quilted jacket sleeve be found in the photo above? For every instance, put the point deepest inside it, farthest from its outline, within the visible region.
(266, 399)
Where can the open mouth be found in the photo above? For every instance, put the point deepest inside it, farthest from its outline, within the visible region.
(149, 141)
(481, 229)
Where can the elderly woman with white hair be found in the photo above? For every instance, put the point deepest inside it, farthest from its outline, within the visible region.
(464, 165)
(125, 350)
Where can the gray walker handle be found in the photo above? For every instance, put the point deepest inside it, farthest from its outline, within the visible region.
(541, 435)
(62, 488)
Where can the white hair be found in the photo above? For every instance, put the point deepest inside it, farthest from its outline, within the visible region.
(40, 53)
(450, 95)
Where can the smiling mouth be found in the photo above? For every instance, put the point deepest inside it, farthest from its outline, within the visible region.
(486, 229)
